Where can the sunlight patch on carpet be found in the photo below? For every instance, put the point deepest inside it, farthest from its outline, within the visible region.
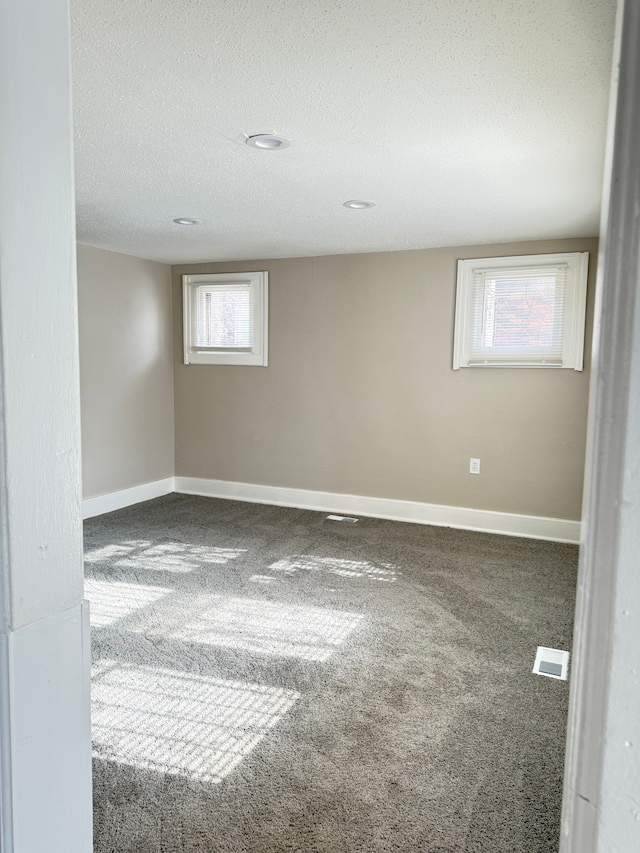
(265, 627)
(170, 556)
(113, 600)
(179, 723)
(337, 566)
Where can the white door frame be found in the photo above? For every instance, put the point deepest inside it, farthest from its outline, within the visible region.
(601, 809)
(45, 737)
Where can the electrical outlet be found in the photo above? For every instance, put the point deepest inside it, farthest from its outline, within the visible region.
(474, 466)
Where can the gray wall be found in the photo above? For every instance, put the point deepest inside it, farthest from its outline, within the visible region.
(360, 397)
(126, 370)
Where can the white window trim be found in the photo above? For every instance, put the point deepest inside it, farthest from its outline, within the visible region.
(257, 357)
(574, 315)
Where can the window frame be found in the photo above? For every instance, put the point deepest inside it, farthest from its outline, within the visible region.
(574, 310)
(257, 356)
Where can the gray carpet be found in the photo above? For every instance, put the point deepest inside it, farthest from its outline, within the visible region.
(266, 680)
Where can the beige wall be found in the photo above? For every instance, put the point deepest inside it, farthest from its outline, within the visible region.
(360, 397)
(126, 370)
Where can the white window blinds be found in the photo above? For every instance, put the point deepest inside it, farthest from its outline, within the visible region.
(521, 311)
(518, 315)
(222, 317)
(225, 318)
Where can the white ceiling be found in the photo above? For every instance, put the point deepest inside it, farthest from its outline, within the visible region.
(465, 121)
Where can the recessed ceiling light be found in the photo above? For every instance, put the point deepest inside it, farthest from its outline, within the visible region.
(182, 221)
(357, 204)
(268, 141)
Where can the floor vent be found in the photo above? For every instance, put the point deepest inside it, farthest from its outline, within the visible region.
(342, 518)
(554, 663)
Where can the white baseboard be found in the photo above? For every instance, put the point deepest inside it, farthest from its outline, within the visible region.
(126, 497)
(485, 521)
(507, 524)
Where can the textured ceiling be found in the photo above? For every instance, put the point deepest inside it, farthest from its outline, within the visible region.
(465, 121)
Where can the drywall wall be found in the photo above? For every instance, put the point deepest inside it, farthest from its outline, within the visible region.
(126, 370)
(360, 396)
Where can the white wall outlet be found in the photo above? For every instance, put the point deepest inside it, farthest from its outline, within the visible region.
(474, 466)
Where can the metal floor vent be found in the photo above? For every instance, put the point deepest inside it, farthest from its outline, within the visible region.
(342, 518)
(554, 663)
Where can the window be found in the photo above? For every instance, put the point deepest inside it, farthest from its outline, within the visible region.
(225, 318)
(525, 311)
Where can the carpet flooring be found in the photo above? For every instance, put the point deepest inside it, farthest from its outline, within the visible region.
(265, 680)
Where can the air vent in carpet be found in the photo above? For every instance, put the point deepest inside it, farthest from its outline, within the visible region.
(554, 663)
(342, 518)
